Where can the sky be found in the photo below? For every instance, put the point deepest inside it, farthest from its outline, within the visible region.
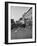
(17, 12)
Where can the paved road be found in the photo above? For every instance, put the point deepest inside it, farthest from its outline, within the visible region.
(21, 33)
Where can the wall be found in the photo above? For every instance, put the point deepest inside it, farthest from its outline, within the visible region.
(2, 24)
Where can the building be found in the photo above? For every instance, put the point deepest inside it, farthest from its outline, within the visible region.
(27, 17)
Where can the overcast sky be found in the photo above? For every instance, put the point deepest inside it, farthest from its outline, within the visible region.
(17, 12)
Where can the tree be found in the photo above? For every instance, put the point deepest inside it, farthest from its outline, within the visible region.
(12, 21)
